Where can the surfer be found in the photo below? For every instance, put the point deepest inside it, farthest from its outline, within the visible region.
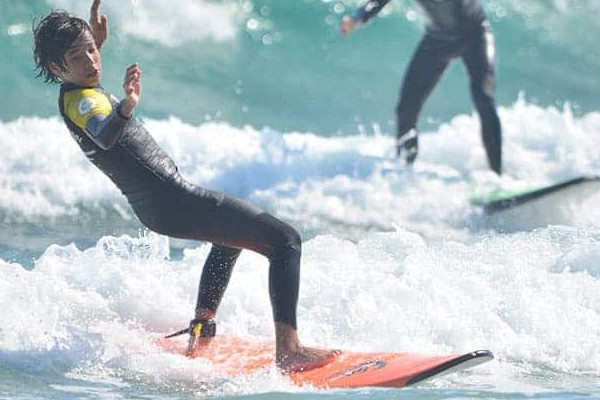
(456, 28)
(67, 51)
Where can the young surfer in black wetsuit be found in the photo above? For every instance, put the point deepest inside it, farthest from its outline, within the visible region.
(67, 51)
(457, 28)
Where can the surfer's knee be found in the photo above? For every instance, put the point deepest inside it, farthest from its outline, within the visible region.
(285, 240)
(289, 245)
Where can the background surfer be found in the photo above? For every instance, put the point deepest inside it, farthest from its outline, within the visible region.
(457, 28)
(66, 51)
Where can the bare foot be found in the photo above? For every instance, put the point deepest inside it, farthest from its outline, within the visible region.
(304, 358)
(291, 356)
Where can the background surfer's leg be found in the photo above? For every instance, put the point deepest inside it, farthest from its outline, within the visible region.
(479, 60)
(422, 75)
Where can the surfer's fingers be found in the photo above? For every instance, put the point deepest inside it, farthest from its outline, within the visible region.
(95, 11)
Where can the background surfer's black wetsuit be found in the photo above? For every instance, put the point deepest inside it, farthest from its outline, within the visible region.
(456, 28)
(167, 204)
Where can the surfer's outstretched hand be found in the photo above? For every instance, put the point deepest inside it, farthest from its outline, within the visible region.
(132, 85)
(99, 24)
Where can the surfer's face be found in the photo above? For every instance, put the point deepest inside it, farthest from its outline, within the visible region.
(83, 65)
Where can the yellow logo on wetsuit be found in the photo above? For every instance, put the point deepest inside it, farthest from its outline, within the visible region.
(83, 106)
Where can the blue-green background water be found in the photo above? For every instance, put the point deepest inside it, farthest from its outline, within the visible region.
(284, 64)
(265, 100)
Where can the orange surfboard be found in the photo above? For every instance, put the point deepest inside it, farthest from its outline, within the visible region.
(235, 356)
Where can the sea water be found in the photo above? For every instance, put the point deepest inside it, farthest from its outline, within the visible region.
(264, 100)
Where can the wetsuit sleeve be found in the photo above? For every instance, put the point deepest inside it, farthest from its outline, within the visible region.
(369, 10)
(94, 113)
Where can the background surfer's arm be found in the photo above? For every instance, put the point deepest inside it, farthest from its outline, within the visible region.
(369, 10)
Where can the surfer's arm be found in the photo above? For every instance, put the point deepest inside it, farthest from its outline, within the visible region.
(98, 24)
(94, 113)
(362, 16)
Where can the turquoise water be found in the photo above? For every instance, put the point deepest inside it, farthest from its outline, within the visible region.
(284, 65)
(264, 100)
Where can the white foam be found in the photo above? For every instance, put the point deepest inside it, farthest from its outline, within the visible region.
(318, 182)
(43, 172)
(100, 309)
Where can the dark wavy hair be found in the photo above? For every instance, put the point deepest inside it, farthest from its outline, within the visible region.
(53, 36)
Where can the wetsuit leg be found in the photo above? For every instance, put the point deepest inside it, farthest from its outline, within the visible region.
(425, 70)
(268, 236)
(240, 227)
(194, 213)
(479, 60)
(215, 277)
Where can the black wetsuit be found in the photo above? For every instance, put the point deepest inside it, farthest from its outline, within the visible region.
(456, 28)
(167, 204)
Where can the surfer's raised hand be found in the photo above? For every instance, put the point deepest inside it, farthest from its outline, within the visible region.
(99, 24)
(132, 85)
(348, 25)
